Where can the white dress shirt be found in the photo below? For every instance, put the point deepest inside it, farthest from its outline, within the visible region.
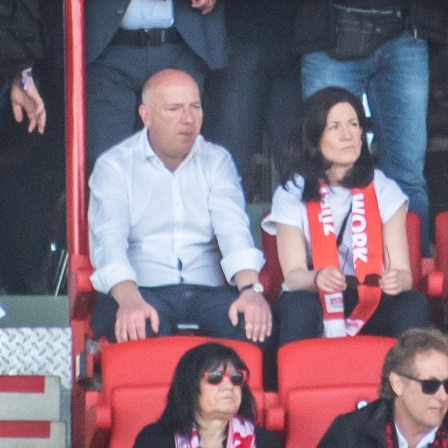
(146, 14)
(423, 443)
(158, 227)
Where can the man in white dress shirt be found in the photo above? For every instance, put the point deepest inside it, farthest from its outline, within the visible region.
(169, 236)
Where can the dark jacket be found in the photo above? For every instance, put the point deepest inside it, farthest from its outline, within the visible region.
(315, 30)
(21, 35)
(364, 428)
(204, 34)
(153, 436)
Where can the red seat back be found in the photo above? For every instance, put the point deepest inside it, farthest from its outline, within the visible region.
(441, 238)
(415, 253)
(271, 275)
(136, 377)
(310, 411)
(321, 378)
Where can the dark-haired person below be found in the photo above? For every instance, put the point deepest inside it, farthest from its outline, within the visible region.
(411, 410)
(209, 405)
(340, 227)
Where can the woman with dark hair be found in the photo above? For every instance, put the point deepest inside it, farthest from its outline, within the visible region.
(341, 231)
(209, 404)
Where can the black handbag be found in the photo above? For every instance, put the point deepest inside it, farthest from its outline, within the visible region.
(358, 34)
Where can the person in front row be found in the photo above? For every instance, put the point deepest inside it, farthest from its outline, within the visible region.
(340, 231)
(209, 404)
(411, 410)
(169, 236)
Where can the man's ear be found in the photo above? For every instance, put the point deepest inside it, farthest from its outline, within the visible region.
(144, 115)
(396, 382)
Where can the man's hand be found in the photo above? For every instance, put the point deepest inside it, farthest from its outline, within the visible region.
(204, 5)
(29, 101)
(257, 315)
(130, 321)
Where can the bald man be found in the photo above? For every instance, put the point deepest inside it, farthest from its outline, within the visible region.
(169, 236)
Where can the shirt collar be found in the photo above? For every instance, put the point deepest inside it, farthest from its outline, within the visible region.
(425, 441)
(149, 154)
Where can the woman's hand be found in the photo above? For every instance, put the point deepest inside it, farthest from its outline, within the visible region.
(330, 279)
(395, 281)
(397, 277)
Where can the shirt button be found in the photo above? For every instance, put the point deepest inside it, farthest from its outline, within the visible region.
(120, 11)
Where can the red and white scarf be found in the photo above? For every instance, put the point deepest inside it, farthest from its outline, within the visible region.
(241, 434)
(367, 249)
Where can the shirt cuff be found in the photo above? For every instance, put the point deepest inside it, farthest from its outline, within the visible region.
(245, 259)
(104, 279)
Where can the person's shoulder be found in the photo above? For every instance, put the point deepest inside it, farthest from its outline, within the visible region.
(381, 179)
(154, 435)
(386, 185)
(205, 146)
(351, 429)
(266, 439)
(293, 186)
(212, 154)
(371, 412)
(123, 151)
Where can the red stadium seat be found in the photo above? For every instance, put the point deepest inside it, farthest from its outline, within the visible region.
(320, 379)
(135, 379)
(441, 240)
(271, 275)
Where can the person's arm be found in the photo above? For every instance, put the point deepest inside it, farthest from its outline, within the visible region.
(130, 322)
(338, 435)
(205, 6)
(292, 257)
(397, 275)
(241, 261)
(108, 232)
(25, 98)
(254, 307)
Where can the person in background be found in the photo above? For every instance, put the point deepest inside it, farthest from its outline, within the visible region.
(169, 237)
(22, 45)
(379, 48)
(128, 40)
(209, 404)
(411, 411)
(258, 90)
(340, 227)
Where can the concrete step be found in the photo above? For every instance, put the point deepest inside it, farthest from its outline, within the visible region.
(30, 397)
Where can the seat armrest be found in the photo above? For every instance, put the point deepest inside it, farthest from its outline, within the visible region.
(433, 284)
(103, 416)
(274, 418)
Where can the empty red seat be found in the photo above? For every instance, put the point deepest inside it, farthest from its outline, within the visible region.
(320, 379)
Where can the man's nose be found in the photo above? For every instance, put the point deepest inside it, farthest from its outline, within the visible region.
(187, 115)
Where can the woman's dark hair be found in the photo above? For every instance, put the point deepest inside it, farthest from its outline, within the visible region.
(183, 395)
(305, 156)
